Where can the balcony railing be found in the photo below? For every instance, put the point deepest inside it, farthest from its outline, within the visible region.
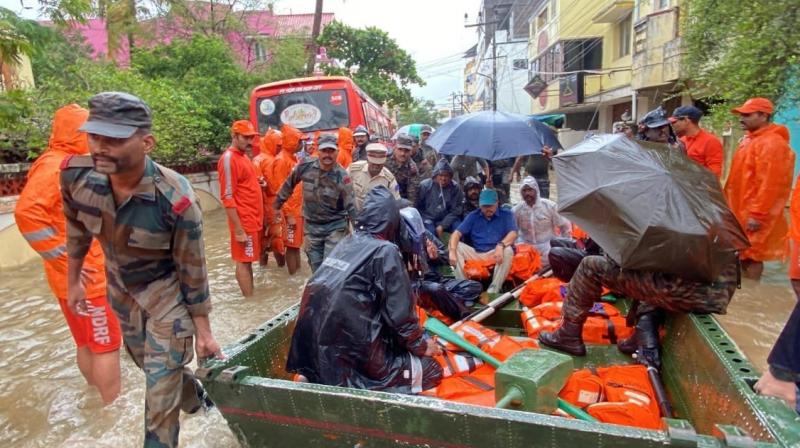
(656, 49)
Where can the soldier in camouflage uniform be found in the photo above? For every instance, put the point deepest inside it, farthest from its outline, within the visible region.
(404, 169)
(149, 225)
(328, 200)
(653, 289)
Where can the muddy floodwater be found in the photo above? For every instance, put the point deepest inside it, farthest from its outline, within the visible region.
(44, 401)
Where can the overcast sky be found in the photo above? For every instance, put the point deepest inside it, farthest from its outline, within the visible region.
(431, 30)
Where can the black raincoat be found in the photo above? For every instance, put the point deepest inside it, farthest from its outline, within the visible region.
(437, 205)
(358, 325)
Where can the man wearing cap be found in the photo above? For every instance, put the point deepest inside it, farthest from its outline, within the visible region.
(404, 169)
(429, 154)
(241, 196)
(368, 174)
(492, 232)
(440, 200)
(702, 146)
(327, 200)
(655, 127)
(361, 137)
(149, 225)
(759, 185)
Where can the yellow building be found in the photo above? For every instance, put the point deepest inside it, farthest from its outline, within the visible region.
(580, 54)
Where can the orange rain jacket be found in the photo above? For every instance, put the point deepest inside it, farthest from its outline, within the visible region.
(268, 149)
(758, 187)
(346, 144)
(39, 212)
(794, 233)
(283, 165)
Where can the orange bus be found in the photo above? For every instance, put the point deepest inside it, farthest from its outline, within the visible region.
(322, 103)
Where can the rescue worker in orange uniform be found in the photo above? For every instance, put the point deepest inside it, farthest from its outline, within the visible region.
(759, 185)
(272, 238)
(291, 216)
(702, 146)
(346, 145)
(241, 196)
(40, 217)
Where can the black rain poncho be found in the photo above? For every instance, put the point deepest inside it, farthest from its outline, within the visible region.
(440, 206)
(358, 325)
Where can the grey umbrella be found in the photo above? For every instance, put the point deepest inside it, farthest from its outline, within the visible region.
(649, 207)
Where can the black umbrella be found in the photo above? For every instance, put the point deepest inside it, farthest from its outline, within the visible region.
(492, 135)
(649, 207)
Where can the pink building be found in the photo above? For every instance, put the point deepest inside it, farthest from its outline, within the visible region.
(248, 43)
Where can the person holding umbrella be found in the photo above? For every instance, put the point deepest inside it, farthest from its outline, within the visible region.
(670, 240)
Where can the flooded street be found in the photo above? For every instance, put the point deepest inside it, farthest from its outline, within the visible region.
(45, 403)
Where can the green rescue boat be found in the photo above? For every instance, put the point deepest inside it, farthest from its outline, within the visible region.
(707, 378)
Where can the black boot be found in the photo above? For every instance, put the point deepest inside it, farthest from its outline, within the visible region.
(644, 341)
(568, 338)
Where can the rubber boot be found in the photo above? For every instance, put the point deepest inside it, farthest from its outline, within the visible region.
(568, 338)
(648, 351)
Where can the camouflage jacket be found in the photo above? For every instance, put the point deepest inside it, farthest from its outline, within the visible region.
(327, 196)
(153, 242)
(407, 177)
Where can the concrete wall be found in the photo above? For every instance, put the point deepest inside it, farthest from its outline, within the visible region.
(16, 251)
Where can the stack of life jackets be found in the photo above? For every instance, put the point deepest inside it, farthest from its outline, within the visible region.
(470, 380)
(620, 395)
(542, 301)
(526, 262)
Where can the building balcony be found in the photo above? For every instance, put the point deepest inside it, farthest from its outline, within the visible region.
(614, 11)
(657, 49)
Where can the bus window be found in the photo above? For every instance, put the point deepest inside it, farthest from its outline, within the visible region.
(307, 111)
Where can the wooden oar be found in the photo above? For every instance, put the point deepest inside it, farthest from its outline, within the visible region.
(501, 300)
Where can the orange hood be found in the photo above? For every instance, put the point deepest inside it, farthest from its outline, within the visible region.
(346, 140)
(65, 135)
(291, 138)
(271, 141)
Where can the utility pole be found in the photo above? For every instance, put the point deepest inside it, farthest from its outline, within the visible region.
(312, 58)
(494, 53)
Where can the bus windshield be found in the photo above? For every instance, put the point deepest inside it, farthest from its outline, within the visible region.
(307, 111)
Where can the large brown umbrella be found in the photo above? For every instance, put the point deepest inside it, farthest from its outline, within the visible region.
(648, 206)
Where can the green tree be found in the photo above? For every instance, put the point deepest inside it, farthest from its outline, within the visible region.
(373, 59)
(737, 50)
(419, 111)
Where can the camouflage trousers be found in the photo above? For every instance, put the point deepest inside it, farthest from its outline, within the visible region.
(319, 243)
(161, 348)
(653, 289)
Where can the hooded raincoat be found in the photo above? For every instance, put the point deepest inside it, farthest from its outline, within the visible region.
(358, 325)
(440, 206)
(758, 187)
(540, 223)
(346, 144)
(283, 165)
(39, 212)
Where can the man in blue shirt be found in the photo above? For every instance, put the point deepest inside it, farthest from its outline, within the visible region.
(491, 231)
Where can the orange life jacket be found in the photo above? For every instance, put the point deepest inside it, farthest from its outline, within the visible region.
(542, 290)
(457, 364)
(476, 388)
(478, 269)
(500, 346)
(526, 262)
(605, 324)
(578, 233)
(621, 395)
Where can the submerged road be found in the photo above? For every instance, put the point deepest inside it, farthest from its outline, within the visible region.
(44, 401)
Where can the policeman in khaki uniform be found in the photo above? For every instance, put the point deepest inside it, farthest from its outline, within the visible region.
(368, 174)
(328, 200)
(149, 225)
